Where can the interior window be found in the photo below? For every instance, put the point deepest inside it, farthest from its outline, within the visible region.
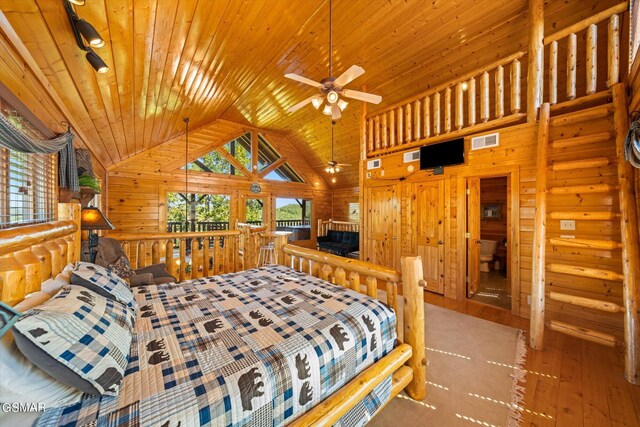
(197, 212)
(294, 215)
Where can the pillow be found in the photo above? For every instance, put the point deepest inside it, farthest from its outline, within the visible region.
(78, 337)
(122, 268)
(21, 381)
(103, 282)
(144, 279)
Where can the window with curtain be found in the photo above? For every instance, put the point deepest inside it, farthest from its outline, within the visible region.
(28, 181)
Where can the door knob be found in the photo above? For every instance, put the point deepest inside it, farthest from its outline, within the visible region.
(478, 242)
(440, 242)
(394, 238)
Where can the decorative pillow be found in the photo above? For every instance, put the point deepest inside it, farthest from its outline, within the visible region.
(78, 337)
(21, 381)
(103, 282)
(122, 268)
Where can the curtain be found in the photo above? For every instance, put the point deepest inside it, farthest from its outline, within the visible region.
(632, 144)
(14, 139)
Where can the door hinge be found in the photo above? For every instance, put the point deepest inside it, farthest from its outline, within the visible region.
(468, 191)
(467, 279)
(467, 235)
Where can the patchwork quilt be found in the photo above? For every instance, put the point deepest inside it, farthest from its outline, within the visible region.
(258, 347)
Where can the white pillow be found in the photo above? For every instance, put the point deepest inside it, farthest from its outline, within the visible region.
(52, 286)
(23, 382)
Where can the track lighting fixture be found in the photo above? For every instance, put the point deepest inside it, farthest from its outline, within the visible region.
(83, 29)
(96, 62)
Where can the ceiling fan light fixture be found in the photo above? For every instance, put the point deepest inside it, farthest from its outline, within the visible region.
(332, 97)
(96, 62)
(337, 169)
(317, 102)
(342, 104)
(89, 33)
(327, 110)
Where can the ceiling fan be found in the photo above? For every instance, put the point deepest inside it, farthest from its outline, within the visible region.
(331, 88)
(333, 166)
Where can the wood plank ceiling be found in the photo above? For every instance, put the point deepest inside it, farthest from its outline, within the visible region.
(226, 59)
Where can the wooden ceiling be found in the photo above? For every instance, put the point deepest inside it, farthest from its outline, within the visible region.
(226, 59)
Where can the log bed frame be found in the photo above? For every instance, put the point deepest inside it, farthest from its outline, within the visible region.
(31, 254)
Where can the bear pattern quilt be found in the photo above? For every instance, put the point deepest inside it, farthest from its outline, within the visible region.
(258, 347)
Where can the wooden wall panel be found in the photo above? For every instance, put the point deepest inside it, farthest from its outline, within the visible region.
(346, 205)
(516, 155)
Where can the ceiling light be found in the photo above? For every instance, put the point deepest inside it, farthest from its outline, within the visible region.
(316, 101)
(96, 62)
(333, 179)
(342, 104)
(337, 169)
(465, 85)
(332, 97)
(327, 109)
(77, 2)
(89, 33)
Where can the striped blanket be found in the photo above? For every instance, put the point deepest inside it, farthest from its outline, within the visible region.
(259, 348)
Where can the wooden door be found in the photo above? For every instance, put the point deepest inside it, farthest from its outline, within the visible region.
(428, 211)
(473, 238)
(382, 226)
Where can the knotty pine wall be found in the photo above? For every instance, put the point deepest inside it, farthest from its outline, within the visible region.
(346, 204)
(516, 157)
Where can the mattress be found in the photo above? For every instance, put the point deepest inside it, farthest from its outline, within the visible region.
(258, 347)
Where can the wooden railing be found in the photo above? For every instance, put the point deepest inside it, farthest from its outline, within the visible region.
(200, 226)
(325, 225)
(448, 109)
(187, 255)
(563, 46)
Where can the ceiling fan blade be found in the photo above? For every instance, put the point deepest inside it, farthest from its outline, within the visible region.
(343, 164)
(299, 105)
(362, 96)
(336, 113)
(351, 74)
(304, 80)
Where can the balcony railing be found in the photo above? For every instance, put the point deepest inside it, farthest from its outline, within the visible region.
(203, 226)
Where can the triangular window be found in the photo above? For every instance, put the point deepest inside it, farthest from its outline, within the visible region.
(212, 162)
(266, 154)
(240, 149)
(284, 173)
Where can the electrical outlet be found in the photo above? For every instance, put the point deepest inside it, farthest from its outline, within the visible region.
(567, 224)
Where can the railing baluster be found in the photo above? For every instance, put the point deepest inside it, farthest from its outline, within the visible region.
(155, 252)
(216, 254)
(340, 277)
(459, 106)
(354, 281)
(416, 120)
(385, 131)
(499, 92)
(553, 73)
(484, 97)
(592, 58)
(182, 272)
(572, 44)
(472, 101)
(376, 129)
(168, 257)
(426, 116)
(392, 128)
(400, 124)
(373, 145)
(126, 248)
(515, 86)
(408, 129)
(613, 51)
(141, 256)
(447, 109)
(436, 113)
(372, 286)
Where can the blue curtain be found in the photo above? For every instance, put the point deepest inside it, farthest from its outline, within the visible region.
(14, 139)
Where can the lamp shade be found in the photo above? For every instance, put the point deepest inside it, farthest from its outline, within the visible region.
(92, 219)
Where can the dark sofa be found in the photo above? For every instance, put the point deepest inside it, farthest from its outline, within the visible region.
(339, 242)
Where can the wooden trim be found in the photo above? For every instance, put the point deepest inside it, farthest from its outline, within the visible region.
(234, 162)
(535, 74)
(585, 23)
(273, 166)
(583, 333)
(536, 340)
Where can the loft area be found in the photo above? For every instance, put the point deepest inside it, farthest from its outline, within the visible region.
(330, 214)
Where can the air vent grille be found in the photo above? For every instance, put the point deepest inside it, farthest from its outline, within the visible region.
(485, 141)
(412, 156)
(374, 164)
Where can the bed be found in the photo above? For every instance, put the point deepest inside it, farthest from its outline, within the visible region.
(297, 350)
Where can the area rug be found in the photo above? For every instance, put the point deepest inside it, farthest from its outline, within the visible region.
(475, 375)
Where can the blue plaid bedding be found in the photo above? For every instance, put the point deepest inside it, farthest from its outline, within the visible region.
(259, 348)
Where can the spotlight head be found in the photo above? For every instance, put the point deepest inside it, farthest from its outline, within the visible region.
(96, 62)
(89, 33)
(332, 97)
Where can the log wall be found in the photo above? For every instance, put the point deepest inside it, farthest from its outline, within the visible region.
(346, 204)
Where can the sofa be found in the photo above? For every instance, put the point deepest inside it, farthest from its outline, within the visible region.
(339, 242)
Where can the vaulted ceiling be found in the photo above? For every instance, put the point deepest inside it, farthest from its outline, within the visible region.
(211, 59)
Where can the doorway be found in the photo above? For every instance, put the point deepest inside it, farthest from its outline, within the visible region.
(488, 225)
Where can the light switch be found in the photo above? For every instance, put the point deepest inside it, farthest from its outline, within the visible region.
(567, 224)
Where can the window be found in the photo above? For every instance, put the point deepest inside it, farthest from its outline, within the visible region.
(284, 173)
(197, 212)
(28, 181)
(266, 154)
(254, 211)
(240, 149)
(212, 162)
(294, 215)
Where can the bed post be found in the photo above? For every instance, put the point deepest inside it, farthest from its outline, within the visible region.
(414, 325)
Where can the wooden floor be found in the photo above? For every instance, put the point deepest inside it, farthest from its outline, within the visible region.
(572, 383)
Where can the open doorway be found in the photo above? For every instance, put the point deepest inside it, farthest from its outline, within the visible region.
(488, 225)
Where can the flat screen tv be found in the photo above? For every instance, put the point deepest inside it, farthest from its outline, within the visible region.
(443, 154)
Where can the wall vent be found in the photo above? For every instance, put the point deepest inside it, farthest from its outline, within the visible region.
(374, 164)
(485, 141)
(412, 156)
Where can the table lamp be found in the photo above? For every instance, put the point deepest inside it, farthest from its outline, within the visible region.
(92, 219)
